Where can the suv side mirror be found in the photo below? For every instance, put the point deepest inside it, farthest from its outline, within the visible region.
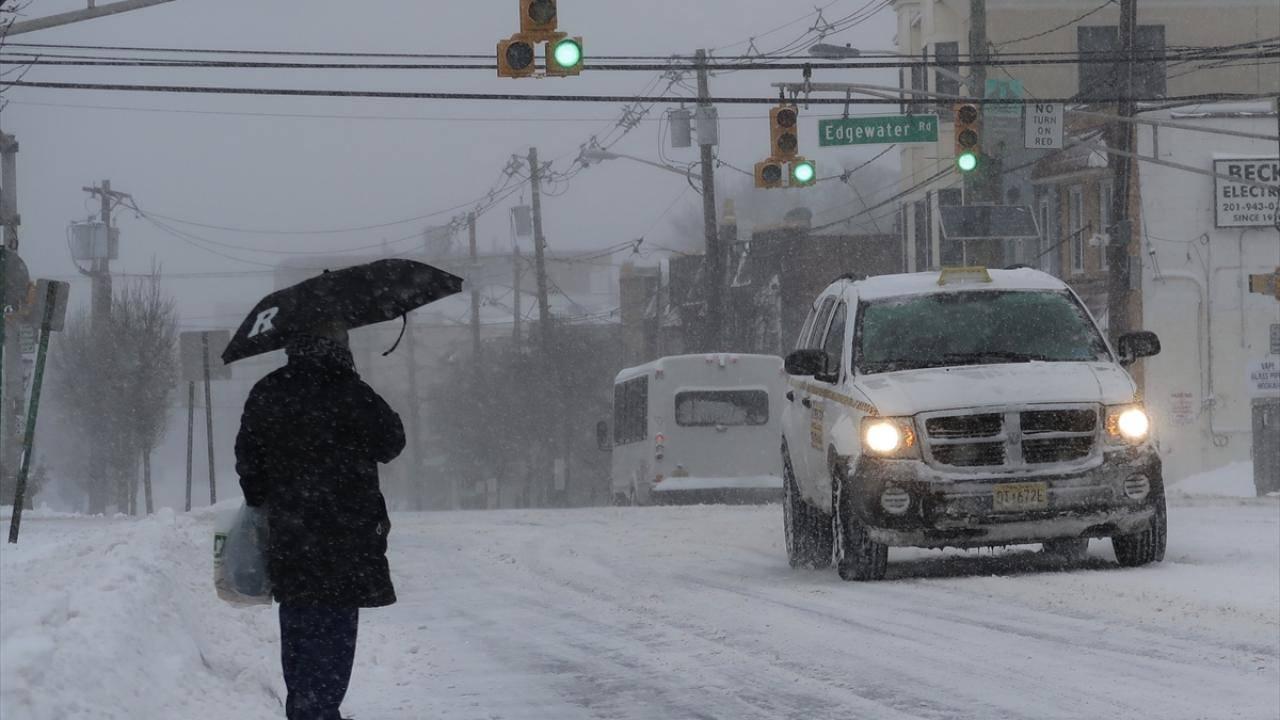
(817, 363)
(1135, 345)
(603, 441)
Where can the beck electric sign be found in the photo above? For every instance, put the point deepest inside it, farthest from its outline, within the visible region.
(1246, 203)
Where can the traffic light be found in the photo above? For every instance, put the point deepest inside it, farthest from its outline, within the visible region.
(564, 56)
(968, 136)
(769, 174)
(538, 18)
(803, 173)
(783, 127)
(515, 57)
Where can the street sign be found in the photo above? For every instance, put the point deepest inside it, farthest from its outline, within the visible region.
(878, 130)
(57, 315)
(1043, 126)
(1002, 89)
(1264, 378)
(1246, 205)
(191, 352)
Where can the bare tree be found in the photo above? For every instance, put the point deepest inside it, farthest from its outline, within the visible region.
(112, 392)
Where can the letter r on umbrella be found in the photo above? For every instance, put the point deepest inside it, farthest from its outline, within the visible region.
(263, 322)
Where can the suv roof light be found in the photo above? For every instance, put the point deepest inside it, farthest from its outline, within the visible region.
(975, 273)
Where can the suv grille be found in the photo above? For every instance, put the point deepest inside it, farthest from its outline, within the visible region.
(1012, 439)
(965, 426)
(970, 454)
(1042, 421)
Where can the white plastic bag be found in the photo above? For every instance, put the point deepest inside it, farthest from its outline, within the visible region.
(240, 556)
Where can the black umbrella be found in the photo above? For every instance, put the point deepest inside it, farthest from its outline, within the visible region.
(352, 297)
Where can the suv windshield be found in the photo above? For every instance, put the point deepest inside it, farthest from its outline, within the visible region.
(974, 328)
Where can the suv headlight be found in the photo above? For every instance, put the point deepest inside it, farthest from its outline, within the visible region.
(889, 437)
(1127, 424)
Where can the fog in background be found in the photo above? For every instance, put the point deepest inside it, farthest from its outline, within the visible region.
(258, 163)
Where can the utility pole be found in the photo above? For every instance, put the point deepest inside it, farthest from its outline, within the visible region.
(101, 269)
(539, 260)
(515, 301)
(100, 315)
(475, 294)
(714, 256)
(544, 319)
(1121, 232)
(415, 420)
(12, 384)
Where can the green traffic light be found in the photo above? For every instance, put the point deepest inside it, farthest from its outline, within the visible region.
(967, 162)
(567, 53)
(803, 173)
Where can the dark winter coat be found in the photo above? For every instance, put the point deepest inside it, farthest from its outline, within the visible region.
(310, 440)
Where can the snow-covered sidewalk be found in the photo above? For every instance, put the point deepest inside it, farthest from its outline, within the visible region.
(657, 613)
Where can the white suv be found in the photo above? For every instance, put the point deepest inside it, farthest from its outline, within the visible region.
(964, 408)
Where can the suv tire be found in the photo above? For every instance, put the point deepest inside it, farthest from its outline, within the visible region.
(806, 528)
(858, 557)
(1147, 545)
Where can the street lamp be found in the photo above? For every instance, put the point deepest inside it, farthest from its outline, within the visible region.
(827, 51)
(600, 154)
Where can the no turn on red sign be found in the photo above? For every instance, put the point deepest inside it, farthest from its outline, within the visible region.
(1043, 125)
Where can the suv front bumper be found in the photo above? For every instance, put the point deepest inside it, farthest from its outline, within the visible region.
(951, 511)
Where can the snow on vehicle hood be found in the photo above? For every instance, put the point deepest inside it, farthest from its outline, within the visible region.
(909, 392)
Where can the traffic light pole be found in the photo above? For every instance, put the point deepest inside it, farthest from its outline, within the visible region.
(982, 185)
(1121, 232)
(714, 257)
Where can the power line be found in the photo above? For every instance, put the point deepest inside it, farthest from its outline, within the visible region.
(1056, 28)
(757, 63)
(408, 95)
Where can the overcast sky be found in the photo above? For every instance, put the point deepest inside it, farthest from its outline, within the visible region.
(268, 171)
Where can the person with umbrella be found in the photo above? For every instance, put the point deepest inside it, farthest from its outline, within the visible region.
(310, 440)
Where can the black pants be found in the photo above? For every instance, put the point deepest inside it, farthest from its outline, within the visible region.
(317, 649)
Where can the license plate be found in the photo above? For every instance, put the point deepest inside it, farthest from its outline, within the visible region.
(1009, 497)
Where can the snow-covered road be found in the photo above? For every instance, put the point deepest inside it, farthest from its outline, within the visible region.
(660, 613)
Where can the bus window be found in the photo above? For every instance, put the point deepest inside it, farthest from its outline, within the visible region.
(631, 411)
(699, 408)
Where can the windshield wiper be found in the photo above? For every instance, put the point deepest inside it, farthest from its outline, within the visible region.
(998, 356)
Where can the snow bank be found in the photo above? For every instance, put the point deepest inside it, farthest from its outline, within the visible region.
(1233, 480)
(117, 618)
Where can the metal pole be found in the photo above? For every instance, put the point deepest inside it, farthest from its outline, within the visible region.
(191, 432)
(89, 13)
(1121, 233)
(539, 261)
(714, 256)
(33, 408)
(208, 417)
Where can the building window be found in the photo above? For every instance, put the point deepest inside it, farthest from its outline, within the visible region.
(1051, 246)
(1075, 227)
(1104, 220)
(921, 239)
(947, 56)
(1102, 79)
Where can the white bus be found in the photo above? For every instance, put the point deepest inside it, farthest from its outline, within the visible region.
(697, 428)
